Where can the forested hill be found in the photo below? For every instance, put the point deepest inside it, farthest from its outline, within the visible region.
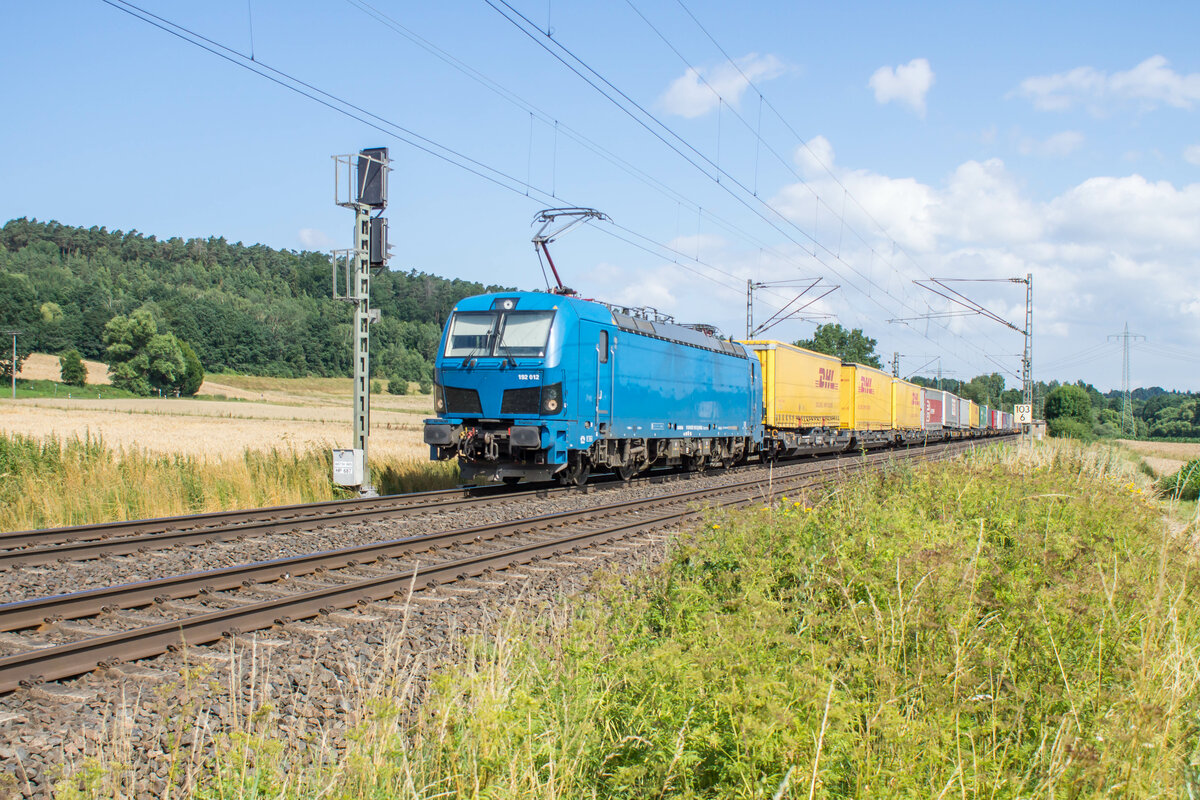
(244, 308)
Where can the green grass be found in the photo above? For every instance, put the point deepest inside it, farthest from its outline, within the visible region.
(47, 388)
(1184, 484)
(1020, 624)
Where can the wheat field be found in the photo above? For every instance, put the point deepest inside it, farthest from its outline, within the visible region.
(231, 414)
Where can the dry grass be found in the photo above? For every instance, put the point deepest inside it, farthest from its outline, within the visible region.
(306, 391)
(48, 482)
(198, 428)
(44, 367)
(1164, 458)
(1181, 451)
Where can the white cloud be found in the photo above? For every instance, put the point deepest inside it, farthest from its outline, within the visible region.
(907, 84)
(314, 239)
(1060, 144)
(1192, 155)
(1150, 84)
(699, 91)
(1109, 249)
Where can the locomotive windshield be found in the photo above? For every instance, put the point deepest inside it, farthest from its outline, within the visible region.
(521, 333)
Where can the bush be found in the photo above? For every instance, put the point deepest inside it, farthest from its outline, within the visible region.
(397, 385)
(193, 371)
(376, 387)
(74, 373)
(1069, 402)
(1070, 428)
(426, 386)
(1185, 484)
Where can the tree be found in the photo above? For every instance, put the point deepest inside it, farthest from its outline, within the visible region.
(1068, 411)
(246, 308)
(126, 339)
(193, 372)
(70, 364)
(140, 359)
(985, 389)
(166, 367)
(18, 311)
(835, 340)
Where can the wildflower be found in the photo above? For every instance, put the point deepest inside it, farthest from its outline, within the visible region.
(807, 509)
(716, 527)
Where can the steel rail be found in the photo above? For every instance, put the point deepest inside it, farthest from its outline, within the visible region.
(214, 519)
(264, 524)
(84, 542)
(61, 661)
(37, 611)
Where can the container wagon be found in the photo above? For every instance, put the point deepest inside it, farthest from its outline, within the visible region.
(933, 402)
(802, 400)
(908, 419)
(866, 405)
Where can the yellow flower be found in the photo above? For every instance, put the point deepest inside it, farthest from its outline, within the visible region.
(807, 509)
(715, 527)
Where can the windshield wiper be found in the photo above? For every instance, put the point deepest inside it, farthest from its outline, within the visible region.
(471, 355)
(508, 357)
(502, 328)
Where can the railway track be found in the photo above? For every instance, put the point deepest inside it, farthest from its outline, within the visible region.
(85, 542)
(51, 638)
(81, 542)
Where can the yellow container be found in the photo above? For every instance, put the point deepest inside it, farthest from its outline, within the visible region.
(866, 398)
(800, 387)
(973, 413)
(907, 407)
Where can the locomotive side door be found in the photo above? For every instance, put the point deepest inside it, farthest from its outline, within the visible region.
(605, 350)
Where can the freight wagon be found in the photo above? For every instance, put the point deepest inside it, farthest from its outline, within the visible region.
(866, 405)
(908, 419)
(801, 400)
(934, 410)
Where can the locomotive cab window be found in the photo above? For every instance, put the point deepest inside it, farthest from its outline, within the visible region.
(471, 334)
(603, 347)
(475, 334)
(524, 333)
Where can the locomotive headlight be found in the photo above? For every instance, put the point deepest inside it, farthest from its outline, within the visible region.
(552, 398)
(439, 400)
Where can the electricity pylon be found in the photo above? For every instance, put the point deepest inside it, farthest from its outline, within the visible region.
(1127, 426)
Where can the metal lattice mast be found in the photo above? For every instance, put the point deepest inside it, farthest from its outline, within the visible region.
(1027, 361)
(362, 330)
(1127, 425)
(749, 307)
(789, 311)
(365, 174)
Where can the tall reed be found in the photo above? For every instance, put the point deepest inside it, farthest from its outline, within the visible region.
(45, 483)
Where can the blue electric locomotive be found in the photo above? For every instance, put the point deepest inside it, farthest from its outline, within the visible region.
(530, 385)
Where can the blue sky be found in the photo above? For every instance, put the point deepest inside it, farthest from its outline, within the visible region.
(962, 140)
